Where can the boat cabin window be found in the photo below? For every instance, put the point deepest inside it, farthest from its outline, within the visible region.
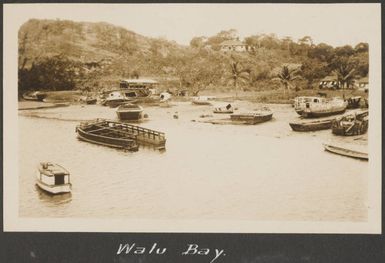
(59, 179)
(315, 100)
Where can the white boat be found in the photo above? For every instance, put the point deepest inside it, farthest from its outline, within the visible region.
(314, 107)
(346, 151)
(224, 109)
(53, 178)
(203, 100)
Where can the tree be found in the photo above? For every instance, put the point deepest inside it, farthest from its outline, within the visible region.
(238, 74)
(287, 75)
(345, 69)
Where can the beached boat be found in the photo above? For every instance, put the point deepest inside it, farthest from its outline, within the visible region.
(354, 102)
(90, 100)
(53, 178)
(35, 95)
(253, 117)
(346, 151)
(353, 123)
(129, 111)
(202, 100)
(119, 135)
(316, 125)
(324, 107)
(225, 109)
(299, 103)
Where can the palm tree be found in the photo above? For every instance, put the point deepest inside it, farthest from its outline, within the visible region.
(286, 76)
(238, 75)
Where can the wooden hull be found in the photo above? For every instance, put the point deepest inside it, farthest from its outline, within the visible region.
(357, 128)
(224, 111)
(311, 126)
(134, 115)
(317, 114)
(346, 152)
(250, 118)
(109, 140)
(120, 135)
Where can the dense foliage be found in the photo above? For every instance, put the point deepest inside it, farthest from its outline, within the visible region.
(62, 55)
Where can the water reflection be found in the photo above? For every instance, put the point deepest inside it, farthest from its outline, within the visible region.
(56, 199)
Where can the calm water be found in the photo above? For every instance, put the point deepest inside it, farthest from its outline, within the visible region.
(261, 172)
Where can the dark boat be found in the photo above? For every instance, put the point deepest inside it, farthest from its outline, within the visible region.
(346, 151)
(354, 102)
(129, 111)
(36, 96)
(354, 123)
(91, 100)
(305, 126)
(119, 135)
(254, 117)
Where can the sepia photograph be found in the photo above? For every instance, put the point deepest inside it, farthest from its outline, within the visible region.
(252, 118)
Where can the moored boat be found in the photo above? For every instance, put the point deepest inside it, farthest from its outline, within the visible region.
(316, 125)
(119, 135)
(36, 96)
(346, 151)
(129, 111)
(53, 178)
(324, 107)
(353, 123)
(253, 117)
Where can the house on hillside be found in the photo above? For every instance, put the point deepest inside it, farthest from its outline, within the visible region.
(362, 84)
(233, 45)
(329, 82)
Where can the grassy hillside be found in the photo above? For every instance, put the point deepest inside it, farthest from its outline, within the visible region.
(67, 55)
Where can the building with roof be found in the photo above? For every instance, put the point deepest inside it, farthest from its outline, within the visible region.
(233, 45)
(329, 82)
(362, 84)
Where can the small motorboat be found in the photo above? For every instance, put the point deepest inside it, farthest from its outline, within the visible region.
(129, 112)
(346, 151)
(316, 125)
(226, 109)
(352, 123)
(53, 178)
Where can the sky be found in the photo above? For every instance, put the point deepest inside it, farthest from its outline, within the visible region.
(334, 24)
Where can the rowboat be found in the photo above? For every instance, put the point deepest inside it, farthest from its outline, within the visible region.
(315, 125)
(226, 109)
(129, 111)
(119, 135)
(353, 123)
(323, 107)
(346, 152)
(253, 117)
(53, 178)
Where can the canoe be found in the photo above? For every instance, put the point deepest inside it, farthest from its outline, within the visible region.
(346, 152)
(129, 111)
(53, 178)
(311, 125)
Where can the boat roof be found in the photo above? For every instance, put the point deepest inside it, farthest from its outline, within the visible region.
(53, 169)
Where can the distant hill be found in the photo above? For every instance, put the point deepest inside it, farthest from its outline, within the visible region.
(65, 55)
